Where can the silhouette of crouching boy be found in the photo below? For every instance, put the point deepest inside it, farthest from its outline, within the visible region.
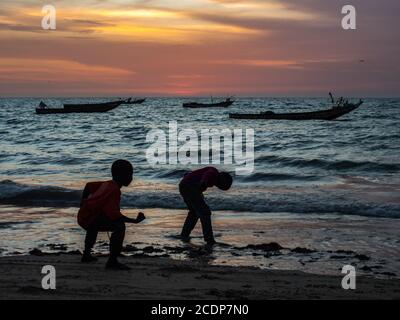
(100, 211)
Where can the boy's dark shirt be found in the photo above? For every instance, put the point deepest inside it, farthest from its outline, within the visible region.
(202, 178)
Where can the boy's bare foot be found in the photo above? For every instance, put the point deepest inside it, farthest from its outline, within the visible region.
(87, 258)
(115, 265)
(184, 239)
(211, 243)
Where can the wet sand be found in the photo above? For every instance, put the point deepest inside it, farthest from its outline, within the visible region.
(164, 278)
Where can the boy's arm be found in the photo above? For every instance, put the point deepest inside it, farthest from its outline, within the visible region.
(113, 211)
(140, 217)
(85, 194)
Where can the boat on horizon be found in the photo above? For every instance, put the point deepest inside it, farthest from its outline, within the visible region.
(223, 104)
(79, 108)
(137, 101)
(329, 114)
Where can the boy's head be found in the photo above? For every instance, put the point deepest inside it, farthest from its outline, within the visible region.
(224, 181)
(122, 172)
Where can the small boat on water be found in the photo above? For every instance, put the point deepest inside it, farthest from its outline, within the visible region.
(330, 114)
(79, 108)
(137, 101)
(223, 104)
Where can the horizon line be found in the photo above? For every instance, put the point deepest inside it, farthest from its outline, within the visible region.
(193, 96)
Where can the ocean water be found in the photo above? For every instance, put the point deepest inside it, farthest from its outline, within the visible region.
(304, 172)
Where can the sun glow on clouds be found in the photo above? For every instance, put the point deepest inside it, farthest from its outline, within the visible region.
(261, 9)
(188, 47)
(14, 69)
(156, 20)
(139, 13)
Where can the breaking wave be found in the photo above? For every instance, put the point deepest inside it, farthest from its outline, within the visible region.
(331, 165)
(313, 201)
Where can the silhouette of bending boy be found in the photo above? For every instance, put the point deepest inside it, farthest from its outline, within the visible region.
(100, 211)
(191, 188)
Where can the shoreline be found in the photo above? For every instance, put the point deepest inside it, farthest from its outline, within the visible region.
(163, 278)
(312, 244)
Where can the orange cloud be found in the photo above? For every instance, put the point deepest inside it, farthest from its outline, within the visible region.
(17, 69)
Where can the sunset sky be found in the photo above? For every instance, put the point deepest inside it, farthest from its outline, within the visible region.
(199, 47)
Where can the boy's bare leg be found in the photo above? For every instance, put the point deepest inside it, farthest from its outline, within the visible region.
(90, 240)
(208, 233)
(204, 213)
(188, 226)
(117, 239)
(116, 242)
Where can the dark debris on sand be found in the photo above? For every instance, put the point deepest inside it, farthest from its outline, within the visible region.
(39, 253)
(302, 250)
(267, 250)
(266, 247)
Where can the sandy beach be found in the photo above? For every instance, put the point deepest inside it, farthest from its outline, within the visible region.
(163, 278)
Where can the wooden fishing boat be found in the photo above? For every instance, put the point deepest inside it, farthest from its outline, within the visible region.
(79, 108)
(330, 114)
(137, 101)
(223, 104)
